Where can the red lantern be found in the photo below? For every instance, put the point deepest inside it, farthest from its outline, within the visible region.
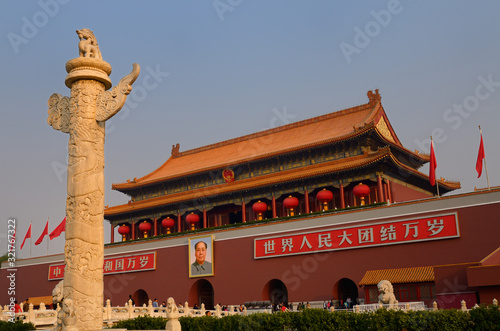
(145, 227)
(324, 196)
(290, 203)
(259, 208)
(192, 219)
(361, 191)
(123, 230)
(167, 223)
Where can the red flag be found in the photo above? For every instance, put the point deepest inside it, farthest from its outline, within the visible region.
(432, 166)
(28, 235)
(44, 233)
(480, 158)
(58, 230)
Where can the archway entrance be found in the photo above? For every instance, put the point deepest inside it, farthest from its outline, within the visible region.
(276, 292)
(347, 289)
(140, 297)
(202, 292)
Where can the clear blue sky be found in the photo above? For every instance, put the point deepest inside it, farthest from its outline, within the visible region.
(228, 68)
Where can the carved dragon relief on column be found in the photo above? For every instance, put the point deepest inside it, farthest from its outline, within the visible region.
(83, 116)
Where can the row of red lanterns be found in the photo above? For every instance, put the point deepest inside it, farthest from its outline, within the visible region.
(324, 196)
(167, 223)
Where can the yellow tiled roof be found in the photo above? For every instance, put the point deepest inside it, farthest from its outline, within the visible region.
(332, 127)
(398, 276)
(36, 301)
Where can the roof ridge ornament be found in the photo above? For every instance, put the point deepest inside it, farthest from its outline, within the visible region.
(175, 149)
(373, 97)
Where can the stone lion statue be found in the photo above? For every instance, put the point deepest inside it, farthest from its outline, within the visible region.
(386, 292)
(57, 298)
(88, 46)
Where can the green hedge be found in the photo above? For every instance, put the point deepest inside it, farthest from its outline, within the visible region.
(16, 326)
(482, 318)
(142, 323)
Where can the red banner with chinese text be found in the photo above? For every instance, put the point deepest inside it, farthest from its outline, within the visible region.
(113, 265)
(387, 233)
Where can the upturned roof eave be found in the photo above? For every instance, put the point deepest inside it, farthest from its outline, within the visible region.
(141, 182)
(125, 187)
(287, 175)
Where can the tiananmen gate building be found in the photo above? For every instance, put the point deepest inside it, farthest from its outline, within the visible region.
(315, 210)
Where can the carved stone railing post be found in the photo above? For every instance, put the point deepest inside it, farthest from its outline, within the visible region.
(130, 309)
(150, 307)
(108, 309)
(31, 312)
(83, 116)
(218, 310)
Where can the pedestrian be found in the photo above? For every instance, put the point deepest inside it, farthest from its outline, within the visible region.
(17, 307)
(26, 305)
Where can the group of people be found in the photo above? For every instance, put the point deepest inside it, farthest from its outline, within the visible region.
(302, 306)
(24, 307)
(347, 304)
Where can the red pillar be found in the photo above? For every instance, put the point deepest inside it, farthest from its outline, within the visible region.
(243, 212)
(306, 197)
(380, 190)
(112, 233)
(155, 232)
(273, 204)
(133, 230)
(342, 200)
(389, 191)
(204, 218)
(179, 228)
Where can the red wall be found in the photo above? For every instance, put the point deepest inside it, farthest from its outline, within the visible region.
(240, 278)
(403, 193)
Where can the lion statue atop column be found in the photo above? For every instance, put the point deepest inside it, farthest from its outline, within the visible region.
(88, 46)
(386, 292)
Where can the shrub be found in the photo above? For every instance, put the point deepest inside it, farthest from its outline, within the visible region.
(142, 323)
(485, 318)
(16, 326)
(482, 318)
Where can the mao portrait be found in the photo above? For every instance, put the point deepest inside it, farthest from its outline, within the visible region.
(201, 257)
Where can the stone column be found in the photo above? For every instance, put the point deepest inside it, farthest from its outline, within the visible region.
(83, 116)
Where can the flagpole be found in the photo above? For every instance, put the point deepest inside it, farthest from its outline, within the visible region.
(484, 157)
(47, 236)
(30, 237)
(437, 182)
